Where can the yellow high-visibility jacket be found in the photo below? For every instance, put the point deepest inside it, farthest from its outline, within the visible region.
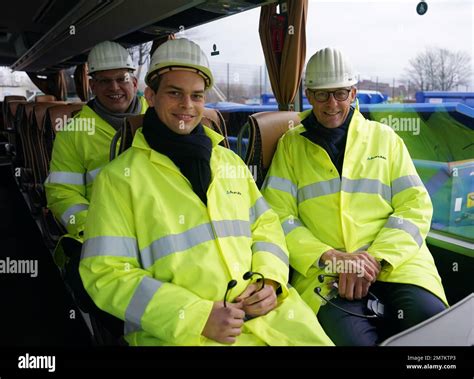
(156, 257)
(379, 204)
(78, 156)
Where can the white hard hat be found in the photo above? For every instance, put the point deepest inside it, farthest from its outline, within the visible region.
(179, 54)
(109, 55)
(328, 68)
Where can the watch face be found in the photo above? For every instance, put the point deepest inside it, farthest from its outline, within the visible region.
(421, 8)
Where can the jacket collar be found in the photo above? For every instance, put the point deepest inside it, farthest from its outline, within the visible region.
(139, 142)
(88, 112)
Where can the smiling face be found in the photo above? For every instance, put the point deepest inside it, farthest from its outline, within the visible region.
(115, 89)
(179, 100)
(331, 113)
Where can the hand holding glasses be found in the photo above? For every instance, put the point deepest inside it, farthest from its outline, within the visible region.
(248, 275)
(373, 304)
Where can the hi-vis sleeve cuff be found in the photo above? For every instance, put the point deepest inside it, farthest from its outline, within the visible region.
(68, 217)
(290, 224)
(402, 183)
(258, 209)
(407, 226)
(141, 298)
(271, 248)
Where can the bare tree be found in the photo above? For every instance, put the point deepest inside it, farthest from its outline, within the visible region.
(141, 56)
(438, 69)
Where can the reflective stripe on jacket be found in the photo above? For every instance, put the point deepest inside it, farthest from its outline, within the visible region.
(79, 153)
(157, 257)
(379, 204)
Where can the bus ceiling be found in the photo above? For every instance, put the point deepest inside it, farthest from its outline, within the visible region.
(48, 35)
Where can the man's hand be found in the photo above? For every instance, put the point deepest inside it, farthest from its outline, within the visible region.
(352, 287)
(361, 264)
(224, 323)
(258, 303)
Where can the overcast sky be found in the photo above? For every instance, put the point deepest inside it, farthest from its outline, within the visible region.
(379, 36)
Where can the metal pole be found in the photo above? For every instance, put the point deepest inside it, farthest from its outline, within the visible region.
(228, 81)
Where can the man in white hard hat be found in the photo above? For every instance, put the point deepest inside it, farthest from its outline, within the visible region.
(181, 252)
(82, 149)
(355, 214)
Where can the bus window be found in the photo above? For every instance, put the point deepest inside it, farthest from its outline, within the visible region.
(422, 74)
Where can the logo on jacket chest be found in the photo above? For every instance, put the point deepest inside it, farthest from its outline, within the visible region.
(230, 192)
(369, 158)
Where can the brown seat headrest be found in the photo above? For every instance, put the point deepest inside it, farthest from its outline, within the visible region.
(27, 109)
(40, 109)
(44, 98)
(272, 125)
(58, 112)
(209, 116)
(13, 106)
(9, 98)
(135, 122)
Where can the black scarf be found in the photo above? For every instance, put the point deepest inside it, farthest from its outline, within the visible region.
(333, 140)
(115, 119)
(191, 152)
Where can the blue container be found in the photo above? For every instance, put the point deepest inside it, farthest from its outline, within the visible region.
(371, 97)
(440, 97)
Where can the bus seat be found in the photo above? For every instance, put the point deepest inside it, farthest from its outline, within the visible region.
(54, 117)
(7, 111)
(10, 107)
(265, 129)
(22, 123)
(211, 118)
(4, 145)
(214, 119)
(44, 98)
(52, 229)
(41, 157)
(39, 163)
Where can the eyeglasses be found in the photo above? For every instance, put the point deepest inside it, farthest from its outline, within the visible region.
(105, 82)
(339, 95)
(374, 305)
(248, 275)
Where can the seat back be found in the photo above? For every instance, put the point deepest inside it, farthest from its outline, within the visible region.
(44, 98)
(22, 124)
(40, 157)
(265, 129)
(10, 108)
(55, 116)
(211, 118)
(8, 118)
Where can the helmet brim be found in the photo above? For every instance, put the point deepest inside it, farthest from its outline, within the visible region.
(161, 69)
